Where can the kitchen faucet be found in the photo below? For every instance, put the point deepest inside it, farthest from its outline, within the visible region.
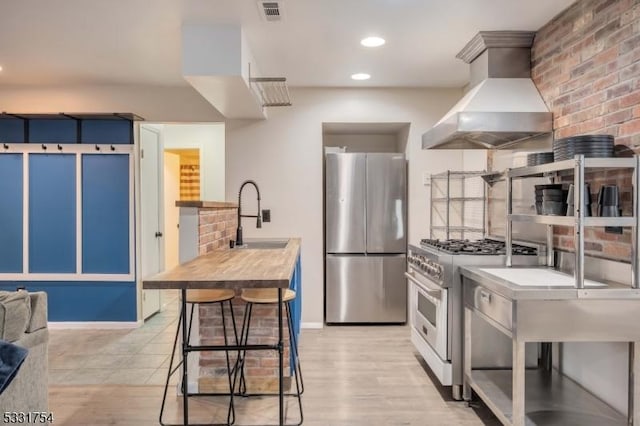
(239, 241)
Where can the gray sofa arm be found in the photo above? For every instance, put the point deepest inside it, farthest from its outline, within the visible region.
(39, 313)
(29, 389)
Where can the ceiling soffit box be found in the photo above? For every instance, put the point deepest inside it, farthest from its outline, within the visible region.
(503, 109)
(217, 62)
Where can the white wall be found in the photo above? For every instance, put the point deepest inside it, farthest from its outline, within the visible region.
(209, 139)
(363, 142)
(153, 103)
(284, 156)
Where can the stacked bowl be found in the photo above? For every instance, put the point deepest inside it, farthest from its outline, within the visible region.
(591, 146)
(537, 158)
(550, 200)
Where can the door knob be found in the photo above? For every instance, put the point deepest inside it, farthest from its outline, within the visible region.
(158, 234)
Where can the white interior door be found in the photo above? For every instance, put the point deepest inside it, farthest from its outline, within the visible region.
(151, 233)
(171, 212)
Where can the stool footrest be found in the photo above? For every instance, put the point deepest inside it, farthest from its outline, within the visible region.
(195, 424)
(230, 348)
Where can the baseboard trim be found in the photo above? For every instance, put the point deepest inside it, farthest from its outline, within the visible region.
(93, 325)
(311, 325)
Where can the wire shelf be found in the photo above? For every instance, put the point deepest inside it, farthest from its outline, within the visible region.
(457, 205)
(273, 91)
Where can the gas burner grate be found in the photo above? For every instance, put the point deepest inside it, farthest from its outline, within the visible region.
(476, 247)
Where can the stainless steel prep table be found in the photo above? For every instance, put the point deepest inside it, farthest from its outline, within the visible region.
(548, 314)
(232, 269)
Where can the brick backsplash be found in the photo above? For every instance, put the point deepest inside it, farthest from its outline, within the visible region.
(586, 65)
(215, 228)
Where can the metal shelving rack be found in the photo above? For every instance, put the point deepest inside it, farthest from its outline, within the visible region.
(464, 201)
(577, 166)
(521, 396)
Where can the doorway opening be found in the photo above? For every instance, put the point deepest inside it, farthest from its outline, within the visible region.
(178, 162)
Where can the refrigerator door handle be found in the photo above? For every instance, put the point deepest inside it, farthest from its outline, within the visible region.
(365, 217)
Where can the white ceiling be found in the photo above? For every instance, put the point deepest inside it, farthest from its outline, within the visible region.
(58, 42)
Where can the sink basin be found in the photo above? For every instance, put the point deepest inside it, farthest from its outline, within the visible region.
(264, 244)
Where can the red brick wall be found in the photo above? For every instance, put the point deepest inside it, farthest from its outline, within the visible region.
(215, 228)
(586, 65)
(261, 367)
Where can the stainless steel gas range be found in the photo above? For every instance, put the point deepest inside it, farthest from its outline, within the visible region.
(435, 310)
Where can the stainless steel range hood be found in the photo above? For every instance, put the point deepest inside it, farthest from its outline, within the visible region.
(503, 108)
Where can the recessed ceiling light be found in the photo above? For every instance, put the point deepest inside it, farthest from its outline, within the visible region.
(361, 76)
(372, 41)
(0, 67)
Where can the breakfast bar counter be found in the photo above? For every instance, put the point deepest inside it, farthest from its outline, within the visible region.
(233, 269)
(262, 264)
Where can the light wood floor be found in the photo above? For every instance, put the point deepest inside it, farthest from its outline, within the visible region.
(353, 376)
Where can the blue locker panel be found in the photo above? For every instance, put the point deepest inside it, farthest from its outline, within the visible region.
(52, 213)
(12, 130)
(85, 301)
(105, 214)
(11, 222)
(44, 130)
(106, 131)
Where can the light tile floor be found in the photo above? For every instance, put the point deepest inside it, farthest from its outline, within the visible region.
(353, 376)
(120, 357)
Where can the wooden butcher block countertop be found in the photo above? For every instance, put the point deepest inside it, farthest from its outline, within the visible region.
(207, 204)
(234, 268)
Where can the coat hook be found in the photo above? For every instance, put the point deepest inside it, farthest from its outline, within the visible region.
(97, 148)
(5, 146)
(44, 147)
(60, 147)
(113, 148)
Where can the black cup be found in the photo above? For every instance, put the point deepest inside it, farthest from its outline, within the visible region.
(609, 196)
(587, 200)
(609, 211)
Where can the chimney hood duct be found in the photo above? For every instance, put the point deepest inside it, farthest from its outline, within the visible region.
(503, 107)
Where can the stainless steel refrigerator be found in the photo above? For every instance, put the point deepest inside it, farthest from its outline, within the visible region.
(365, 238)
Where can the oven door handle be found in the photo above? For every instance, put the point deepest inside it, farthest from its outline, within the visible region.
(432, 292)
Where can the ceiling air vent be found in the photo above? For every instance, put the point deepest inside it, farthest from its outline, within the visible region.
(271, 11)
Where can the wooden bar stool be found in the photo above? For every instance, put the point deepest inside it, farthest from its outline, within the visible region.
(198, 297)
(269, 296)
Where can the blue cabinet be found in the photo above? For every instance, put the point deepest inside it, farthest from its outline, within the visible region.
(105, 214)
(111, 129)
(113, 132)
(53, 130)
(11, 213)
(12, 129)
(52, 213)
(73, 235)
(296, 305)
